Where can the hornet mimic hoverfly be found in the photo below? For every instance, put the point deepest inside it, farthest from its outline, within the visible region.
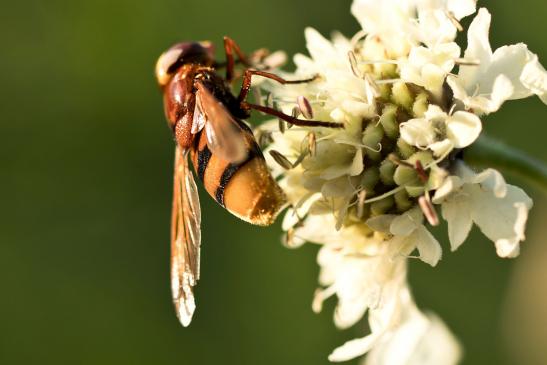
(206, 120)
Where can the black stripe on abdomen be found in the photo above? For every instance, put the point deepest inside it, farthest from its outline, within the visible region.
(227, 174)
(230, 171)
(203, 160)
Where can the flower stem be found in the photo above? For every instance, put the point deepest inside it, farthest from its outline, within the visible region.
(488, 152)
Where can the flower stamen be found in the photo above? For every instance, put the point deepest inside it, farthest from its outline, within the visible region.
(450, 15)
(305, 107)
(429, 210)
(281, 160)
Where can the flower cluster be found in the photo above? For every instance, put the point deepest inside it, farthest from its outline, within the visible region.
(368, 192)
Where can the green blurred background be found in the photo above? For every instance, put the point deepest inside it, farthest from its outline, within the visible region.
(86, 191)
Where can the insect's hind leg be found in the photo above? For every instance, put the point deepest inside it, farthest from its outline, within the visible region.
(290, 119)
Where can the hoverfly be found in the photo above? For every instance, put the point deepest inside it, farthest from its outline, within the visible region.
(206, 120)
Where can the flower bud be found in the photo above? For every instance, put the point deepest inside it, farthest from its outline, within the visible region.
(381, 206)
(420, 105)
(404, 149)
(372, 136)
(405, 175)
(387, 169)
(401, 95)
(402, 201)
(389, 121)
(371, 176)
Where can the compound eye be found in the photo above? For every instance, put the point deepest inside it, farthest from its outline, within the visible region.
(183, 53)
(164, 66)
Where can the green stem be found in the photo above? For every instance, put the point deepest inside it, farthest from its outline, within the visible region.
(488, 152)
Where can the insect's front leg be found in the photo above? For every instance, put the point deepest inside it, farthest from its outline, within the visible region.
(230, 46)
(249, 73)
(246, 86)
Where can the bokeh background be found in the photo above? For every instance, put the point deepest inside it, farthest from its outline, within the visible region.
(85, 194)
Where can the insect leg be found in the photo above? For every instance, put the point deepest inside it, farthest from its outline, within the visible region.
(290, 119)
(231, 46)
(247, 78)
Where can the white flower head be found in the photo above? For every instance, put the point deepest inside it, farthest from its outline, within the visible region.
(368, 192)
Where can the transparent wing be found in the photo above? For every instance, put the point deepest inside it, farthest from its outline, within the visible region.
(224, 135)
(185, 239)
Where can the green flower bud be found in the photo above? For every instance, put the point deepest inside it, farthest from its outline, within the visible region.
(425, 157)
(387, 169)
(402, 201)
(415, 190)
(371, 176)
(405, 150)
(401, 95)
(420, 105)
(372, 136)
(385, 91)
(389, 121)
(405, 175)
(381, 206)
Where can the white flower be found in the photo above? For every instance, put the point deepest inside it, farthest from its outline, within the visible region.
(441, 132)
(357, 274)
(390, 20)
(500, 210)
(402, 24)
(510, 72)
(409, 234)
(458, 8)
(421, 339)
(363, 191)
(402, 335)
(428, 67)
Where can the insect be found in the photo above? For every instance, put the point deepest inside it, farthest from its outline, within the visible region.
(206, 121)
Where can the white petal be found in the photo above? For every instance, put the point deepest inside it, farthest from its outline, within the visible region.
(507, 248)
(381, 223)
(305, 63)
(458, 88)
(428, 247)
(357, 164)
(340, 187)
(521, 67)
(510, 247)
(478, 48)
(463, 128)
(486, 103)
(318, 46)
(434, 26)
(294, 215)
(406, 223)
(442, 148)
(455, 211)
(419, 340)
(502, 90)
(493, 180)
(534, 77)
(391, 20)
(354, 348)
(522, 74)
(450, 184)
(461, 8)
(418, 132)
(502, 220)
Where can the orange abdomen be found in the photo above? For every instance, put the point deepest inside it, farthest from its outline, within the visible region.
(246, 189)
